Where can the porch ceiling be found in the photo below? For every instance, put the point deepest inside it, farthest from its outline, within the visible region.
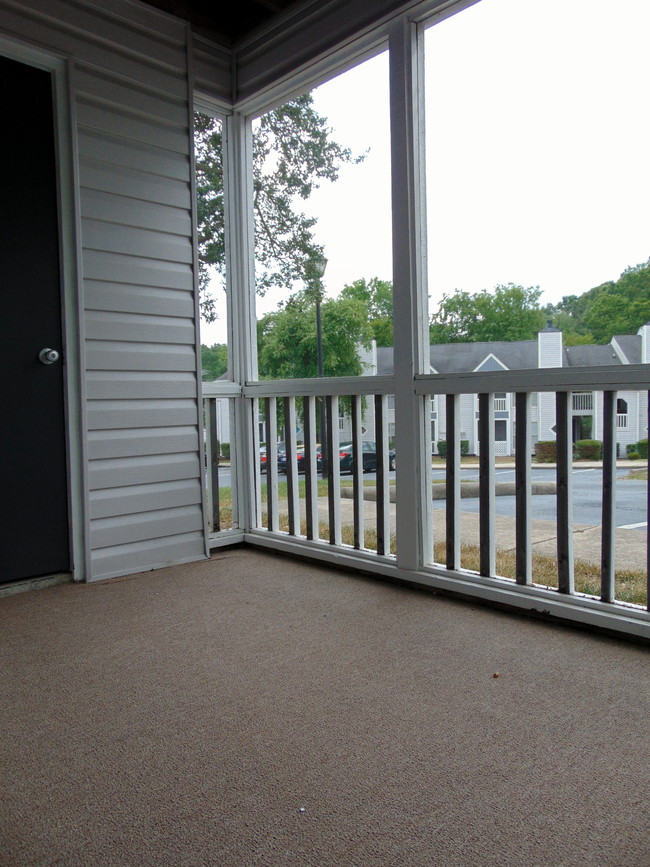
(225, 21)
(190, 715)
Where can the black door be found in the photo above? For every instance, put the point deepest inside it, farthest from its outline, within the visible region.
(34, 519)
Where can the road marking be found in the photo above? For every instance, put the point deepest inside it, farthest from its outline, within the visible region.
(632, 526)
(590, 470)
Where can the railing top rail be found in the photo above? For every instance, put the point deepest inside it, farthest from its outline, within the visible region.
(341, 385)
(629, 377)
(219, 388)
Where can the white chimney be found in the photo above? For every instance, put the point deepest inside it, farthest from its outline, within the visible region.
(644, 331)
(549, 347)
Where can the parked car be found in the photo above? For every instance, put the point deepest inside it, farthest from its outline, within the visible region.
(300, 459)
(369, 450)
(263, 459)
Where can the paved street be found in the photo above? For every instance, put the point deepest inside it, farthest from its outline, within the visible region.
(631, 497)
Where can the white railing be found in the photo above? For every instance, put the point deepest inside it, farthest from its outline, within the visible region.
(622, 421)
(305, 501)
(312, 516)
(583, 401)
(500, 404)
(223, 483)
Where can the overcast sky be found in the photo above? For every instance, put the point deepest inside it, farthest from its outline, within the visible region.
(537, 151)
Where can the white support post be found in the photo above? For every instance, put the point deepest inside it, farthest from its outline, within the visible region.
(242, 334)
(410, 314)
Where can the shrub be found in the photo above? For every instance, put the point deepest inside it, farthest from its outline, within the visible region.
(588, 450)
(632, 451)
(546, 451)
(225, 451)
(442, 448)
(642, 448)
(633, 456)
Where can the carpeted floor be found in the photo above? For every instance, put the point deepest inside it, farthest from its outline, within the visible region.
(257, 710)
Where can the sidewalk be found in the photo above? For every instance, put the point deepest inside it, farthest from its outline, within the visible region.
(582, 465)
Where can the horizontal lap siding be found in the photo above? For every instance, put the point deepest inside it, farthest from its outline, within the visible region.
(212, 69)
(138, 259)
(132, 114)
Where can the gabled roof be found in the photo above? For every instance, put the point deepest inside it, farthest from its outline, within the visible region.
(590, 356)
(462, 357)
(630, 345)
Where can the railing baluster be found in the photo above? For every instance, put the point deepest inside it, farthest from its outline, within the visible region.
(357, 471)
(564, 447)
(382, 485)
(214, 450)
(311, 477)
(257, 488)
(607, 589)
(647, 517)
(208, 461)
(333, 469)
(487, 555)
(523, 488)
(428, 542)
(293, 503)
(452, 481)
(272, 463)
(235, 465)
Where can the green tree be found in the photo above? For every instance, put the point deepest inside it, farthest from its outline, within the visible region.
(287, 338)
(377, 295)
(508, 313)
(293, 151)
(615, 307)
(214, 361)
(623, 307)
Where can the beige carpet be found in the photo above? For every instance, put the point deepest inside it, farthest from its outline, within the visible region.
(256, 710)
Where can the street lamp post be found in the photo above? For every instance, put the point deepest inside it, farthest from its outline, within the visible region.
(317, 270)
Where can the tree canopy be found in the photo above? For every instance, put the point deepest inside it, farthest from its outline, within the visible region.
(510, 312)
(617, 307)
(214, 361)
(287, 338)
(293, 151)
(377, 296)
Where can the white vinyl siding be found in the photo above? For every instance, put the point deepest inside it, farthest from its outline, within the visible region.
(212, 66)
(131, 93)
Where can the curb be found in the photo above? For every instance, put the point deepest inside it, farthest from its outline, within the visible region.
(467, 490)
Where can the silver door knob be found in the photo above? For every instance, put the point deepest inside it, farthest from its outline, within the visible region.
(48, 356)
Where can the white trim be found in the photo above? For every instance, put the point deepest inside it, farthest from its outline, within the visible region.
(206, 505)
(342, 385)
(324, 37)
(410, 301)
(61, 68)
(633, 377)
(490, 355)
(242, 329)
(625, 619)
